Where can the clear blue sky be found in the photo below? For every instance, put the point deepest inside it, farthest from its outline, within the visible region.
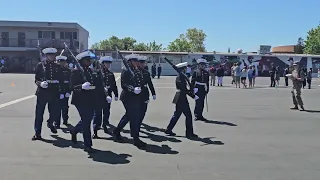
(228, 23)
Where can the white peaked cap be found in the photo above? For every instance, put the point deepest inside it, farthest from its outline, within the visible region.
(61, 58)
(201, 61)
(180, 65)
(105, 59)
(132, 56)
(49, 51)
(83, 55)
(143, 58)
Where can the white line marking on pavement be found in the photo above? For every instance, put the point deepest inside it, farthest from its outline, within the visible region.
(117, 78)
(16, 101)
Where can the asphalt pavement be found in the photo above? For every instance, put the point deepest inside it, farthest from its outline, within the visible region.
(251, 134)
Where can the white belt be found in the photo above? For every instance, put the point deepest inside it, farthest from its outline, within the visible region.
(107, 87)
(52, 81)
(202, 84)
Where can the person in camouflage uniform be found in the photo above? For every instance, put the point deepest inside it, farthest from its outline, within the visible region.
(297, 78)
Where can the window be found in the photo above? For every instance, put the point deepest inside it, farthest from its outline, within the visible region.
(40, 34)
(61, 35)
(68, 35)
(46, 34)
(74, 35)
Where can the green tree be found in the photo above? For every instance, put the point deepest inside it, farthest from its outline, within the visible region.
(191, 41)
(140, 47)
(298, 49)
(180, 44)
(153, 46)
(312, 43)
(196, 38)
(127, 44)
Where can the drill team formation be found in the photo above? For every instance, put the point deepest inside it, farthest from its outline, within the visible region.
(92, 88)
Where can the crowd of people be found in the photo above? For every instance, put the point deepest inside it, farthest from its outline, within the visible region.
(246, 76)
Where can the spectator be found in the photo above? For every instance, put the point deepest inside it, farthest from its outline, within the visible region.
(237, 74)
(244, 75)
(309, 78)
(212, 72)
(250, 76)
(220, 74)
(159, 70)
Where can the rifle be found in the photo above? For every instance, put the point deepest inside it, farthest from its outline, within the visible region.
(76, 63)
(42, 62)
(125, 63)
(99, 69)
(181, 74)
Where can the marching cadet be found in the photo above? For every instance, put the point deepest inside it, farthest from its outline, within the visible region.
(200, 84)
(182, 104)
(131, 82)
(297, 78)
(48, 79)
(85, 97)
(147, 82)
(65, 89)
(111, 86)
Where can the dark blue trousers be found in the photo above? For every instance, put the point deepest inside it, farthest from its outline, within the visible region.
(185, 109)
(64, 111)
(53, 108)
(84, 125)
(198, 109)
(144, 108)
(98, 119)
(133, 115)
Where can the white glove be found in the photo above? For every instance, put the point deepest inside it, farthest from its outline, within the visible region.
(109, 99)
(61, 96)
(44, 84)
(196, 97)
(71, 66)
(67, 95)
(137, 90)
(146, 102)
(195, 90)
(116, 98)
(86, 86)
(154, 97)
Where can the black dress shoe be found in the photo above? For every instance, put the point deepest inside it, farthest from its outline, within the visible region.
(36, 137)
(170, 133)
(191, 136)
(139, 144)
(95, 136)
(117, 136)
(89, 149)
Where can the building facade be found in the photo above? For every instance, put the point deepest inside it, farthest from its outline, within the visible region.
(262, 62)
(19, 41)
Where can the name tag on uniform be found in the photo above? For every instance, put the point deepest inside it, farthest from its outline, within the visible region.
(52, 81)
(92, 87)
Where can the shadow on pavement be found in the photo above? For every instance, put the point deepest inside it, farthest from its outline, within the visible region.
(109, 157)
